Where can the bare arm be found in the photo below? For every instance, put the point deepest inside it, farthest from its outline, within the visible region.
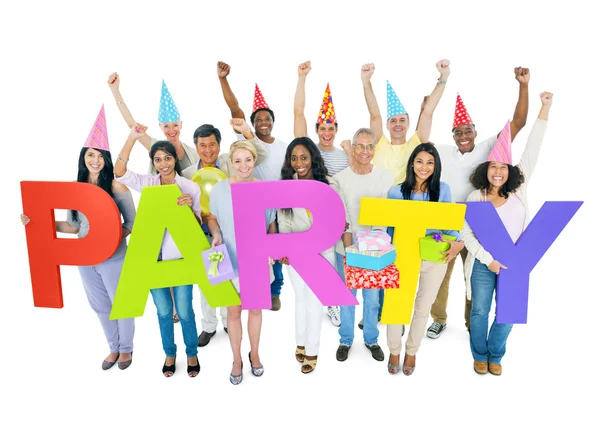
(114, 82)
(521, 110)
(431, 102)
(300, 128)
(121, 165)
(215, 230)
(376, 122)
(272, 228)
(223, 70)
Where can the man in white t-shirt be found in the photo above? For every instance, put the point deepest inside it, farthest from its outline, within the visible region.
(262, 119)
(458, 163)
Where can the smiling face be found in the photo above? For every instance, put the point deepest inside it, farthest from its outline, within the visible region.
(94, 161)
(301, 162)
(208, 149)
(497, 174)
(171, 130)
(424, 165)
(464, 137)
(164, 162)
(326, 133)
(263, 123)
(243, 163)
(398, 125)
(363, 149)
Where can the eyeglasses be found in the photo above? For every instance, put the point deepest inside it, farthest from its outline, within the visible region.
(362, 147)
(459, 133)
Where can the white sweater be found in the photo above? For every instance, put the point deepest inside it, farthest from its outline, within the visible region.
(527, 165)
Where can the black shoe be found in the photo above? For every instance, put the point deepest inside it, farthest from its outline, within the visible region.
(196, 368)
(170, 368)
(204, 338)
(226, 332)
(342, 353)
(360, 324)
(376, 352)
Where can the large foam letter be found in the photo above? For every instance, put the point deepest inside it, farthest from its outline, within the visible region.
(519, 258)
(254, 246)
(157, 211)
(410, 220)
(47, 252)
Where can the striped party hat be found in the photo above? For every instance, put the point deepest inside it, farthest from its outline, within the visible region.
(394, 106)
(167, 111)
(98, 138)
(501, 152)
(326, 113)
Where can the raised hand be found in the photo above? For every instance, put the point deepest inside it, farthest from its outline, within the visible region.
(223, 69)
(495, 267)
(443, 67)
(346, 146)
(304, 68)
(239, 125)
(546, 98)
(137, 131)
(522, 75)
(366, 72)
(25, 219)
(113, 81)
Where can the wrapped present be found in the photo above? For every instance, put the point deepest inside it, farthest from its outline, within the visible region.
(374, 260)
(431, 246)
(372, 240)
(218, 265)
(359, 278)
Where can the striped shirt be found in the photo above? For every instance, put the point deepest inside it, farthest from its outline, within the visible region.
(335, 160)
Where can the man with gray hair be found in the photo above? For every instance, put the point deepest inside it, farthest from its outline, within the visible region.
(360, 179)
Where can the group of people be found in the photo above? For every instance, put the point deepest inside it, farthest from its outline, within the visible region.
(401, 167)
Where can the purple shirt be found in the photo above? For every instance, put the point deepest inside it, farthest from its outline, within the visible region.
(138, 181)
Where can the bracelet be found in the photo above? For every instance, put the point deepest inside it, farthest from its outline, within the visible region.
(124, 160)
(120, 102)
(442, 81)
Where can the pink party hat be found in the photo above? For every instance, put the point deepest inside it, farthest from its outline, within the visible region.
(98, 138)
(501, 152)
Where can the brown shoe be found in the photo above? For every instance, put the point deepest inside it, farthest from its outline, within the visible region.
(495, 369)
(275, 303)
(480, 367)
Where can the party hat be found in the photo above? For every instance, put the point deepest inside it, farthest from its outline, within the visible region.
(259, 100)
(461, 116)
(167, 112)
(98, 138)
(501, 152)
(394, 106)
(327, 112)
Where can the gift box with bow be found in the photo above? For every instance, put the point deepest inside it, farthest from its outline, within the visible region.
(372, 240)
(218, 265)
(432, 245)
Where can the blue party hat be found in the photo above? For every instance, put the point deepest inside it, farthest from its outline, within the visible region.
(167, 112)
(394, 106)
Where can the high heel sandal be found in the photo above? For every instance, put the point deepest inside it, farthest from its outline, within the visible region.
(408, 370)
(257, 371)
(300, 354)
(236, 380)
(393, 368)
(193, 368)
(169, 368)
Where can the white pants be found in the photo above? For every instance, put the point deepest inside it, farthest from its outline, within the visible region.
(209, 315)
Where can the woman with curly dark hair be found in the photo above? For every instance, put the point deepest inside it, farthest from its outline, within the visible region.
(303, 161)
(499, 182)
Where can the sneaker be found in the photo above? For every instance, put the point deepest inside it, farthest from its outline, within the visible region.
(376, 352)
(435, 330)
(334, 315)
(275, 303)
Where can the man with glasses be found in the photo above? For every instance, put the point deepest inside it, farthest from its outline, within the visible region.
(360, 179)
(458, 163)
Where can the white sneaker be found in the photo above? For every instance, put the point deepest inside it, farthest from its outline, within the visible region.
(334, 315)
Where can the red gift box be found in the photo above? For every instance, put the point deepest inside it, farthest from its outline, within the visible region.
(359, 278)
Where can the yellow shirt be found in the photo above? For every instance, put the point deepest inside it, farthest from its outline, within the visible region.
(393, 158)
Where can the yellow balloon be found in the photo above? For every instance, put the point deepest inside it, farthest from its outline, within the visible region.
(206, 178)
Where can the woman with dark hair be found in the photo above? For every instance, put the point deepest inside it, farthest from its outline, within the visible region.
(499, 182)
(100, 281)
(304, 161)
(422, 182)
(164, 158)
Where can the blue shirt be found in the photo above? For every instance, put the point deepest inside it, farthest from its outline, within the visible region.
(445, 196)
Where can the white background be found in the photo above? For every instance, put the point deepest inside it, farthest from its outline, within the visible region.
(56, 59)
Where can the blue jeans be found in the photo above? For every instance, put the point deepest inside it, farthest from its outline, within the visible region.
(485, 347)
(370, 310)
(185, 311)
(277, 273)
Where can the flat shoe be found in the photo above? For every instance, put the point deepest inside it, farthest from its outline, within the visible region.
(236, 380)
(106, 365)
(300, 354)
(123, 365)
(257, 371)
(311, 363)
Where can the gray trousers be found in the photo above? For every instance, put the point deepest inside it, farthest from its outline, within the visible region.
(100, 283)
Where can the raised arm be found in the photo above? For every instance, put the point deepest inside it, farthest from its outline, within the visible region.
(531, 153)
(223, 70)
(113, 82)
(520, 116)
(137, 131)
(300, 128)
(376, 122)
(431, 102)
